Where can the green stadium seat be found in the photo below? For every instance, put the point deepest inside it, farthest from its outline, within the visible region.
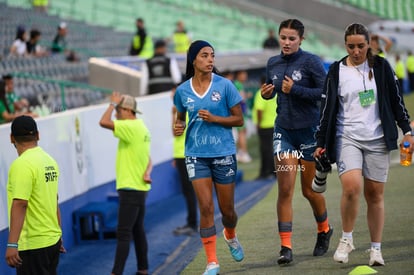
(209, 20)
(387, 9)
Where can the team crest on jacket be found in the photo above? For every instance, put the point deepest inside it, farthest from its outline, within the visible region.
(296, 75)
(215, 96)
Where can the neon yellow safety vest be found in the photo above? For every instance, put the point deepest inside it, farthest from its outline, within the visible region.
(410, 63)
(181, 42)
(40, 3)
(179, 143)
(148, 50)
(268, 109)
(400, 70)
(382, 54)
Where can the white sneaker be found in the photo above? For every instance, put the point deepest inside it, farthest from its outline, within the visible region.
(375, 257)
(243, 157)
(345, 247)
(212, 268)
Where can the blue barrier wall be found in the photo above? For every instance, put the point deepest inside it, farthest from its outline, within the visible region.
(86, 156)
(165, 184)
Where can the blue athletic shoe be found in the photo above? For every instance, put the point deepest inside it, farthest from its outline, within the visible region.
(212, 269)
(235, 247)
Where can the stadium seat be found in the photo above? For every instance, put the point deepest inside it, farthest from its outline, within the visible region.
(95, 217)
(387, 9)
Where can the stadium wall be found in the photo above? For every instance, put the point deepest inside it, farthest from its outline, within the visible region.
(86, 154)
(123, 73)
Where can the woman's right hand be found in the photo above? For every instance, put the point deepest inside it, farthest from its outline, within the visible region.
(317, 152)
(178, 128)
(267, 90)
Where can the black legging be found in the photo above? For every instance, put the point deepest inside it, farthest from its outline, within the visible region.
(267, 167)
(411, 79)
(188, 192)
(131, 215)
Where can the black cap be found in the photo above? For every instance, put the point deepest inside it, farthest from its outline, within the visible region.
(160, 44)
(23, 126)
(7, 76)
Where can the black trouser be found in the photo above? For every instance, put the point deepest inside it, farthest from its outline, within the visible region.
(131, 215)
(267, 167)
(188, 192)
(411, 79)
(41, 261)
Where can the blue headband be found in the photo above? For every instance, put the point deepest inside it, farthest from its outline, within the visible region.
(195, 48)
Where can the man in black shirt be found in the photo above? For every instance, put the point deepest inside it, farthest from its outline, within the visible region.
(32, 46)
(160, 73)
(271, 41)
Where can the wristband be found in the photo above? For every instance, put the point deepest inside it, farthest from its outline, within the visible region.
(13, 245)
(409, 133)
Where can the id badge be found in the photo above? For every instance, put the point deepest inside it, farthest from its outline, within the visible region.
(367, 97)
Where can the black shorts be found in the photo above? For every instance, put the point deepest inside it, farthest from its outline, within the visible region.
(39, 261)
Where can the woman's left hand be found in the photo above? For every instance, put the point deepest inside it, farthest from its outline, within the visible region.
(205, 115)
(410, 139)
(287, 84)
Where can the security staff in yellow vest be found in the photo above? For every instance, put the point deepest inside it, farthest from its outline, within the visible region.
(410, 69)
(181, 38)
(400, 71)
(141, 43)
(159, 73)
(40, 5)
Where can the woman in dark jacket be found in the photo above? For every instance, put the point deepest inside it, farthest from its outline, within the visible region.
(297, 77)
(361, 104)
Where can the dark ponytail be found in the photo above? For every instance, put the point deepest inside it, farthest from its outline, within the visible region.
(371, 59)
(360, 29)
(189, 69)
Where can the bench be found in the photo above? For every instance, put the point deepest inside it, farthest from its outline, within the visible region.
(95, 217)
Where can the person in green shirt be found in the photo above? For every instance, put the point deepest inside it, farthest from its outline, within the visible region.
(10, 104)
(133, 181)
(19, 104)
(60, 44)
(6, 108)
(243, 155)
(264, 115)
(34, 240)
